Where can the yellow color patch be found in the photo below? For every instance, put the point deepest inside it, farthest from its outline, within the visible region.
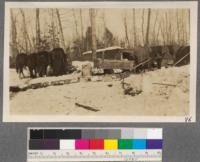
(110, 144)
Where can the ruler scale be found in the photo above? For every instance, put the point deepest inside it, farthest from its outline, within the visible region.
(94, 144)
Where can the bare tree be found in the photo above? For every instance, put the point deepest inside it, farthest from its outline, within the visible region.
(13, 35)
(143, 11)
(134, 29)
(61, 29)
(75, 22)
(93, 28)
(38, 39)
(183, 27)
(104, 28)
(25, 33)
(148, 27)
(178, 27)
(154, 34)
(53, 28)
(188, 34)
(81, 22)
(126, 30)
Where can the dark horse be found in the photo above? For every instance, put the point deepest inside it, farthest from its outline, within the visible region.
(21, 63)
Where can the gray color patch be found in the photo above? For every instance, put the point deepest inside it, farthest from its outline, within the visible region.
(88, 134)
(101, 133)
(127, 133)
(140, 133)
(114, 133)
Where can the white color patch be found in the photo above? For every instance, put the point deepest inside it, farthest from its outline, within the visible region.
(67, 144)
(154, 133)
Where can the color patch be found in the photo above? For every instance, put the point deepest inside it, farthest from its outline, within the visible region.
(124, 144)
(36, 134)
(127, 133)
(51, 144)
(35, 144)
(154, 144)
(97, 144)
(82, 144)
(110, 144)
(113, 134)
(88, 134)
(51, 134)
(69, 134)
(140, 133)
(67, 144)
(154, 133)
(139, 144)
(101, 134)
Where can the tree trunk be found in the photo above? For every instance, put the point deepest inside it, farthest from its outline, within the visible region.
(93, 27)
(77, 34)
(24, 31)
(178, 28)
(13, 36)
(82, 39)
(61, 29)
(38, 39)
(188, 38)
(126, 31)
(154, 30)
(143, 26)
(148, 27)
(53, 28)
(134, 29)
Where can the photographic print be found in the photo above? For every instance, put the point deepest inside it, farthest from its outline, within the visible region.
(100, 61)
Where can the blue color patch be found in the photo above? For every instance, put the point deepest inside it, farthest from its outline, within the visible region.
(139, 144)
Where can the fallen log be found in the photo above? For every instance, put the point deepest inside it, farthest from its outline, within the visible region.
(166, 84)
(86, 107)
(42, 85)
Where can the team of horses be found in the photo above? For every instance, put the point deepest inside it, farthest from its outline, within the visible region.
(43, 63)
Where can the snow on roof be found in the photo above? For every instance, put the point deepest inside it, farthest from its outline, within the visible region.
(103, 49)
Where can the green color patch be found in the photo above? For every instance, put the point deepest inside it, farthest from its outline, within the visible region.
(125, 144)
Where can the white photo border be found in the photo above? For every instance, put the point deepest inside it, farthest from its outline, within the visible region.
(192, 5)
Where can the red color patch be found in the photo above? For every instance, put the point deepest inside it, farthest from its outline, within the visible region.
(97, 144)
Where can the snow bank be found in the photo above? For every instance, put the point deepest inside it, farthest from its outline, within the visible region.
(79, 64)
(153, 83)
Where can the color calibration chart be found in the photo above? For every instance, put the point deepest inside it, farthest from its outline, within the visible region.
(94, 144)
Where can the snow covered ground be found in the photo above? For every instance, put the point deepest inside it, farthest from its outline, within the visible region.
(106, 94)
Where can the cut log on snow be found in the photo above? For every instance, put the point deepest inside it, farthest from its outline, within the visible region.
(42, 85)
(86, 107)
(165, 84)
(14, 89)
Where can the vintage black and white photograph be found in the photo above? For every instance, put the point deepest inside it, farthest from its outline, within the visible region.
(96, 62)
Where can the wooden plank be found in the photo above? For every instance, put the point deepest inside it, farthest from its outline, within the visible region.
(114, 64)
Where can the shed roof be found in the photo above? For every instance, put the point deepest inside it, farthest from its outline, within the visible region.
(103, 49)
